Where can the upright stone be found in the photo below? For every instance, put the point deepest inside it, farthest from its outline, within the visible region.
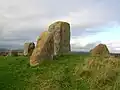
(100, 50)
(28, 48)
(44, 49)
(31, 48)
(26, 45)
(61, 31)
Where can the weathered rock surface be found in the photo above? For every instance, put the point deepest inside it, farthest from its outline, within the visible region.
(28, 48)
(61, 31)
(53, 42)
(44, 49)
(100, 50)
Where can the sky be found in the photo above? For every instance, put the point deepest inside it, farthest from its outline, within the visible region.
(92, 22)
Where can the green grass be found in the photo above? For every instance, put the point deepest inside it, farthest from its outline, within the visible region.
(16, 74)
(69, 72)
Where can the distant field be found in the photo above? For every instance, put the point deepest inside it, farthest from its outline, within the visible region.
(60, 74)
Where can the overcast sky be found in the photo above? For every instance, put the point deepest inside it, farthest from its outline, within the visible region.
(92, 21)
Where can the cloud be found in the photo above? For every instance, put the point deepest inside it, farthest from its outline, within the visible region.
(24, 20)
(85, 13)
(113, 45)
(81, 45)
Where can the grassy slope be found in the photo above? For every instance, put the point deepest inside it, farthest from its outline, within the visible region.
(16, 74)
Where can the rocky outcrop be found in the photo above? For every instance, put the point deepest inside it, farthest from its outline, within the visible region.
(100, 50)
(44, 49)
(61, 32)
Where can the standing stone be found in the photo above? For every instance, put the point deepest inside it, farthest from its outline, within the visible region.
(31, 48)
(12, 53)
(100, 50)
(26, 45)
(44, 49)
(28, 48)
(61, 31)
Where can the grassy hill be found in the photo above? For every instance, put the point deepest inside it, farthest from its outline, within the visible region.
(65, 73)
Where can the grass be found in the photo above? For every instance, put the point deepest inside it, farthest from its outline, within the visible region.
(16, 74)
(69, 72)
(102, 73)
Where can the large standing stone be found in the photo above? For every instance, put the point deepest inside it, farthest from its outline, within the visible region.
(28, 48)
(44, 49)
(61, 32)
(100, 50)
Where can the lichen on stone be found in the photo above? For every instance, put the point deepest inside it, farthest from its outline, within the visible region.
(61, 32)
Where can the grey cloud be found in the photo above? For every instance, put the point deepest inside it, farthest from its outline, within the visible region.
(90, 46)
(87, 47)
(16, 39)
(78, 31)
(11, 46)
(23, 20)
